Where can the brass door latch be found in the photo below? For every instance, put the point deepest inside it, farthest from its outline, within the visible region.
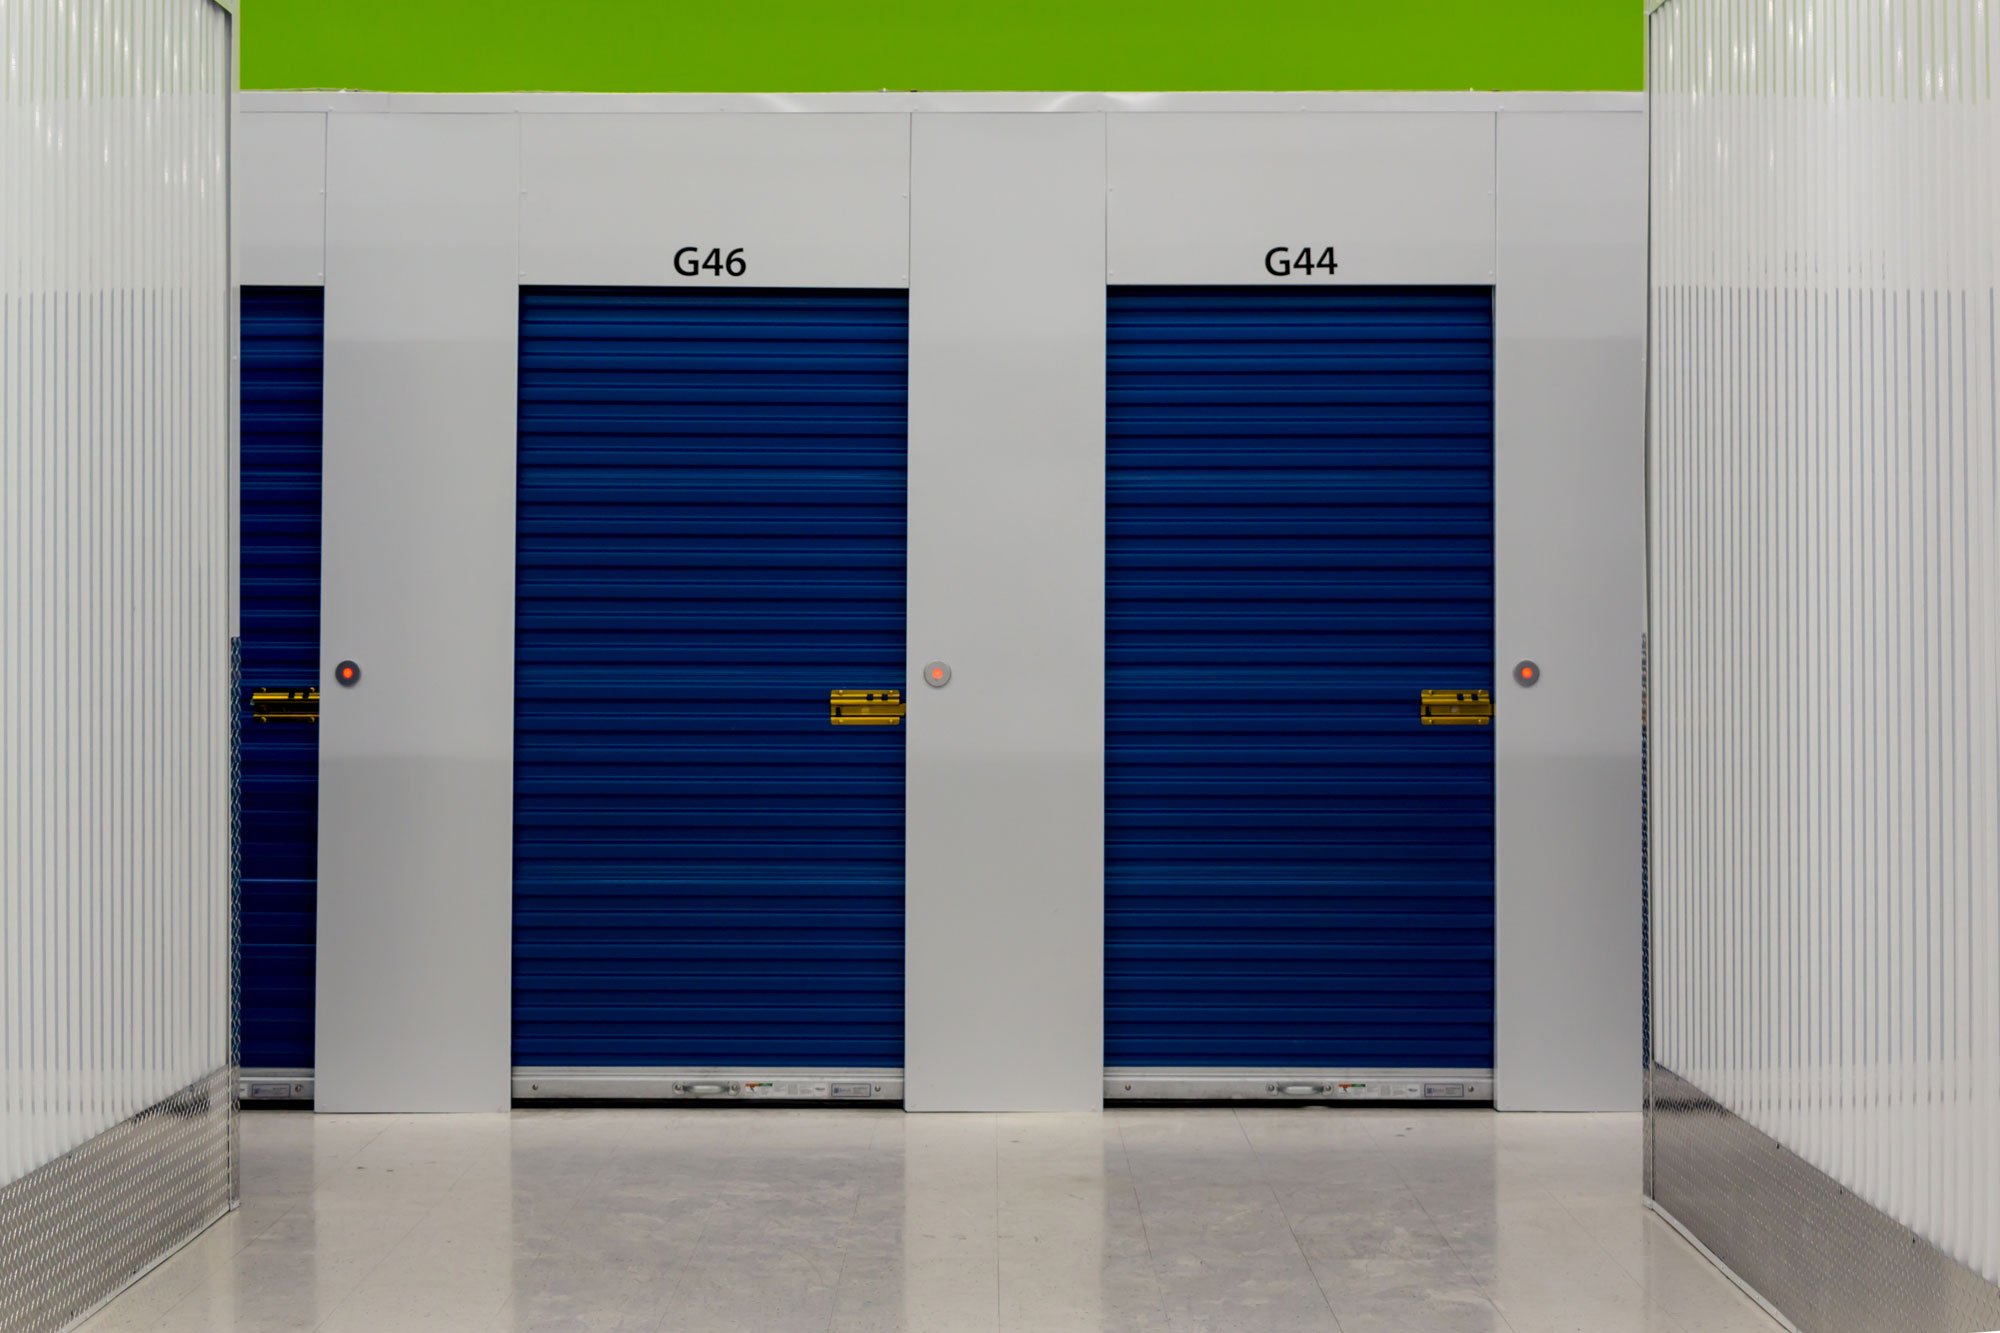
(285, 705)
(865, 708)
(1457, 708)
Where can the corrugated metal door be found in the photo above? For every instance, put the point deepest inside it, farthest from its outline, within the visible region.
(711, 539)
(280, 464)
(1300, 528)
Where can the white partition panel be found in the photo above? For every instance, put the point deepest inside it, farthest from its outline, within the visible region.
(1826, 628)
(116, 617)
(1004, 934)
(115, 534)
(1569, 576)
(417, 758)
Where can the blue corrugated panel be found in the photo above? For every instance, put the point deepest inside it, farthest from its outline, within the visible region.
(711, 538)
(281, 338)
(1300, 531)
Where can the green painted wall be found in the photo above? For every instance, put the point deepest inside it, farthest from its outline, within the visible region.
(843, 45)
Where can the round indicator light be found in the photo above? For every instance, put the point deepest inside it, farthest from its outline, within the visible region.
(937, 675)
(347, 673)
(1526, 673)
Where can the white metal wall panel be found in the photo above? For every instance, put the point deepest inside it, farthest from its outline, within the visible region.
(281, 200)
(1826, 631)
(438, 235)
(1004, 786)
(115, 539)
(1403, 197)
(811, 201)
(1569, 581)
(417, 586)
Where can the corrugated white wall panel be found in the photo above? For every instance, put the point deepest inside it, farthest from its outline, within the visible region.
(115, 540)
(1826, 593)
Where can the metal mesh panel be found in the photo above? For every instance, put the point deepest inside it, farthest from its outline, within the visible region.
(1646, 905)
(235, 905)
(1645, 877)
(235, 852)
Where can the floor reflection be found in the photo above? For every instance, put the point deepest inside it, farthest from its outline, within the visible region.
(1357, 1220)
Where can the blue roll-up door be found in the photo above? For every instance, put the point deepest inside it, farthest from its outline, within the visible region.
(710, 540)
(1299, 874)
(279, 765)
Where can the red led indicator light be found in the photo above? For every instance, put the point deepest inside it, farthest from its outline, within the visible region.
(347, 673)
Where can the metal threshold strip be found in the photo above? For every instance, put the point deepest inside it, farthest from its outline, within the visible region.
(274, 1085)
(885, 1086)
(1435, 1086)
(733, 1084)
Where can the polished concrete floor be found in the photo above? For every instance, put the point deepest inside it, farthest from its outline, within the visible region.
(1364, 1221)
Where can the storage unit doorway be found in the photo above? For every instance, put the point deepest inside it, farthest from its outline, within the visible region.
(1299, 866)
(283, 362)
(708, 867)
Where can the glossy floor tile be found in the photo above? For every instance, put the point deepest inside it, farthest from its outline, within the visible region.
(1361, 1221)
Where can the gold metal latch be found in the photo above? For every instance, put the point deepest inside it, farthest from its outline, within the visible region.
(1457, 708)
(865, 708)
(285, 705)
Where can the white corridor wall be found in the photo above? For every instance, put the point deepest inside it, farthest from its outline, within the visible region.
(116, 600)
(1826, 593)
(423, 215)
